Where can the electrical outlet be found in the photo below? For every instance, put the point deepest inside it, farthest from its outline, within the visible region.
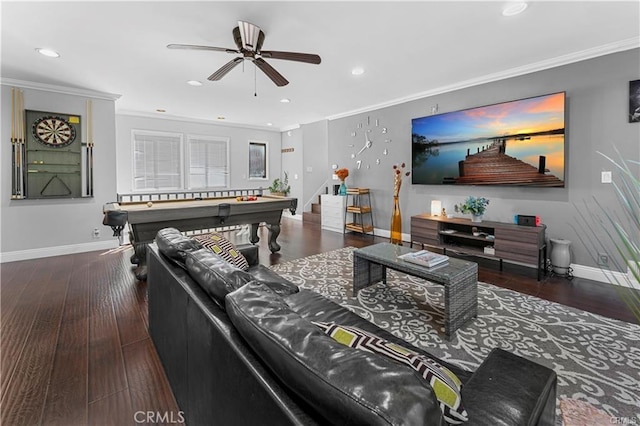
(603, 259)
(605, 177)
(96, 233)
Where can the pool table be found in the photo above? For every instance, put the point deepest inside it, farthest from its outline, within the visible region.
(147, 218)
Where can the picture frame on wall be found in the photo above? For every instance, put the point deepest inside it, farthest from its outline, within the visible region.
(634, 101)
(257, 160)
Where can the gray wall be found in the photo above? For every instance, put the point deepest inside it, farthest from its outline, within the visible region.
(292, 163)
(239, 138)
(38, 228)
(597, 106)
(316, 160)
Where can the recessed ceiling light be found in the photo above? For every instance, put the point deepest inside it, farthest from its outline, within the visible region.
(194, 83)
(48, 52)
(269, 124)
(161, 110)
(513, 9)
(357, 71)
(285, 100)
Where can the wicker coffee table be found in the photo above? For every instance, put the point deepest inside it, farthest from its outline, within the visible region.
(459, 278)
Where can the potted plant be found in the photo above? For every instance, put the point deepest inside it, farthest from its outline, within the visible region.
(280, 187)
(474, 205)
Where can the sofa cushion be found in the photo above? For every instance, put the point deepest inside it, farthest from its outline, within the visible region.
(342, 384)
(444, 383)
(275, 282)
(223, 248)
(214, 274)
(175, 246)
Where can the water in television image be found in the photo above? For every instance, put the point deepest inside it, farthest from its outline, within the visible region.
(512, 143)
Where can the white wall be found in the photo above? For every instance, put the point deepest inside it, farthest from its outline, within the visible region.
(239, 138)
(293, 164)
(40, 228)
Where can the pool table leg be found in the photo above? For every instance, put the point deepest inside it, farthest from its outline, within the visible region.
(274, 231)
(253, 237)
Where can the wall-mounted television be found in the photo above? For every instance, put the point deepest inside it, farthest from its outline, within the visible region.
(511, 143)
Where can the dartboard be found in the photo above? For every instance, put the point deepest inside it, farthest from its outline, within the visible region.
(53, 131)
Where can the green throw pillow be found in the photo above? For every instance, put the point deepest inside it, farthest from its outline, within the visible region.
(444, 383)
(223, 248)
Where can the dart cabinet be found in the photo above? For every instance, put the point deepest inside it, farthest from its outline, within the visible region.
(53, 155)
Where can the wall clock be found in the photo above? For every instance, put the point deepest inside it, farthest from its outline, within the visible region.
(369, 136)
(53, 131)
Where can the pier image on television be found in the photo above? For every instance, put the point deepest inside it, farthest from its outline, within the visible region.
(512, 143)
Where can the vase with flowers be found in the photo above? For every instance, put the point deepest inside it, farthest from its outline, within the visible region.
(342, 175)
(396, 215)
(474, 205)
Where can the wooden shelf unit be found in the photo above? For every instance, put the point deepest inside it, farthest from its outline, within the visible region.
(516, 243)
(359, 206)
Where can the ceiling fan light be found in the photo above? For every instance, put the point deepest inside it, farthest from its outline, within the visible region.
(48, 52)
(249, 34)
(513, 9)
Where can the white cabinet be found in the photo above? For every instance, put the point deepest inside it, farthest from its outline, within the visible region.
(332, 212)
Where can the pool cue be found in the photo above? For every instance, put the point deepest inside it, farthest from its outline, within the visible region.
(22, 155)
(14, 174)
(90, 147)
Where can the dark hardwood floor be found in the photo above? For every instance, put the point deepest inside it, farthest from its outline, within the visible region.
(75, 347)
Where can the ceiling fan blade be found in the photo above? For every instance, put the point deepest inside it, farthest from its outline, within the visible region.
(274, 75)
(250, 35)
(195, 47)
(292, 56)
(225, 69)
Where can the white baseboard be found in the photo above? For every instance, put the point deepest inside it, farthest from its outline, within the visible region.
(287, 214)
(14, 256)
(605, 276)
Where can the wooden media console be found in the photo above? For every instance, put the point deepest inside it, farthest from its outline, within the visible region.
(492, 240)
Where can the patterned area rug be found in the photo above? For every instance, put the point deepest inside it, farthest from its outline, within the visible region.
(597, 359)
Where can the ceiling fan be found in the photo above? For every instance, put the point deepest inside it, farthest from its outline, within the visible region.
(249, 38)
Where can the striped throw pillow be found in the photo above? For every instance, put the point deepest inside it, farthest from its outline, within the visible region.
(445, 384)
(223, 248)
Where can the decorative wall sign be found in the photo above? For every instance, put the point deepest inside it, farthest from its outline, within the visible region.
(634, 101)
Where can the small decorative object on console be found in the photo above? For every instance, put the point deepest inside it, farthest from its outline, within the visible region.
(280, 187)
(342, 175)
(396, 216)
(425, 258)
(474, 205)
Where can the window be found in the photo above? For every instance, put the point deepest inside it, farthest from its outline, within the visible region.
(208, 161)
(257, 160)
(157, 160)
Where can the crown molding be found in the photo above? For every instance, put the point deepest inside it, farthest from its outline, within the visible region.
(619, 46)
(163, 116)
(59, 89)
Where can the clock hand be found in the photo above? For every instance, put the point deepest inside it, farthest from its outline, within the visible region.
(366, 145)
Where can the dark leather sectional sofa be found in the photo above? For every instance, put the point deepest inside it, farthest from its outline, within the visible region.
(253, 357)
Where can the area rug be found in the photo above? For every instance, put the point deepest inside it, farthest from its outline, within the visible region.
(597, 359)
